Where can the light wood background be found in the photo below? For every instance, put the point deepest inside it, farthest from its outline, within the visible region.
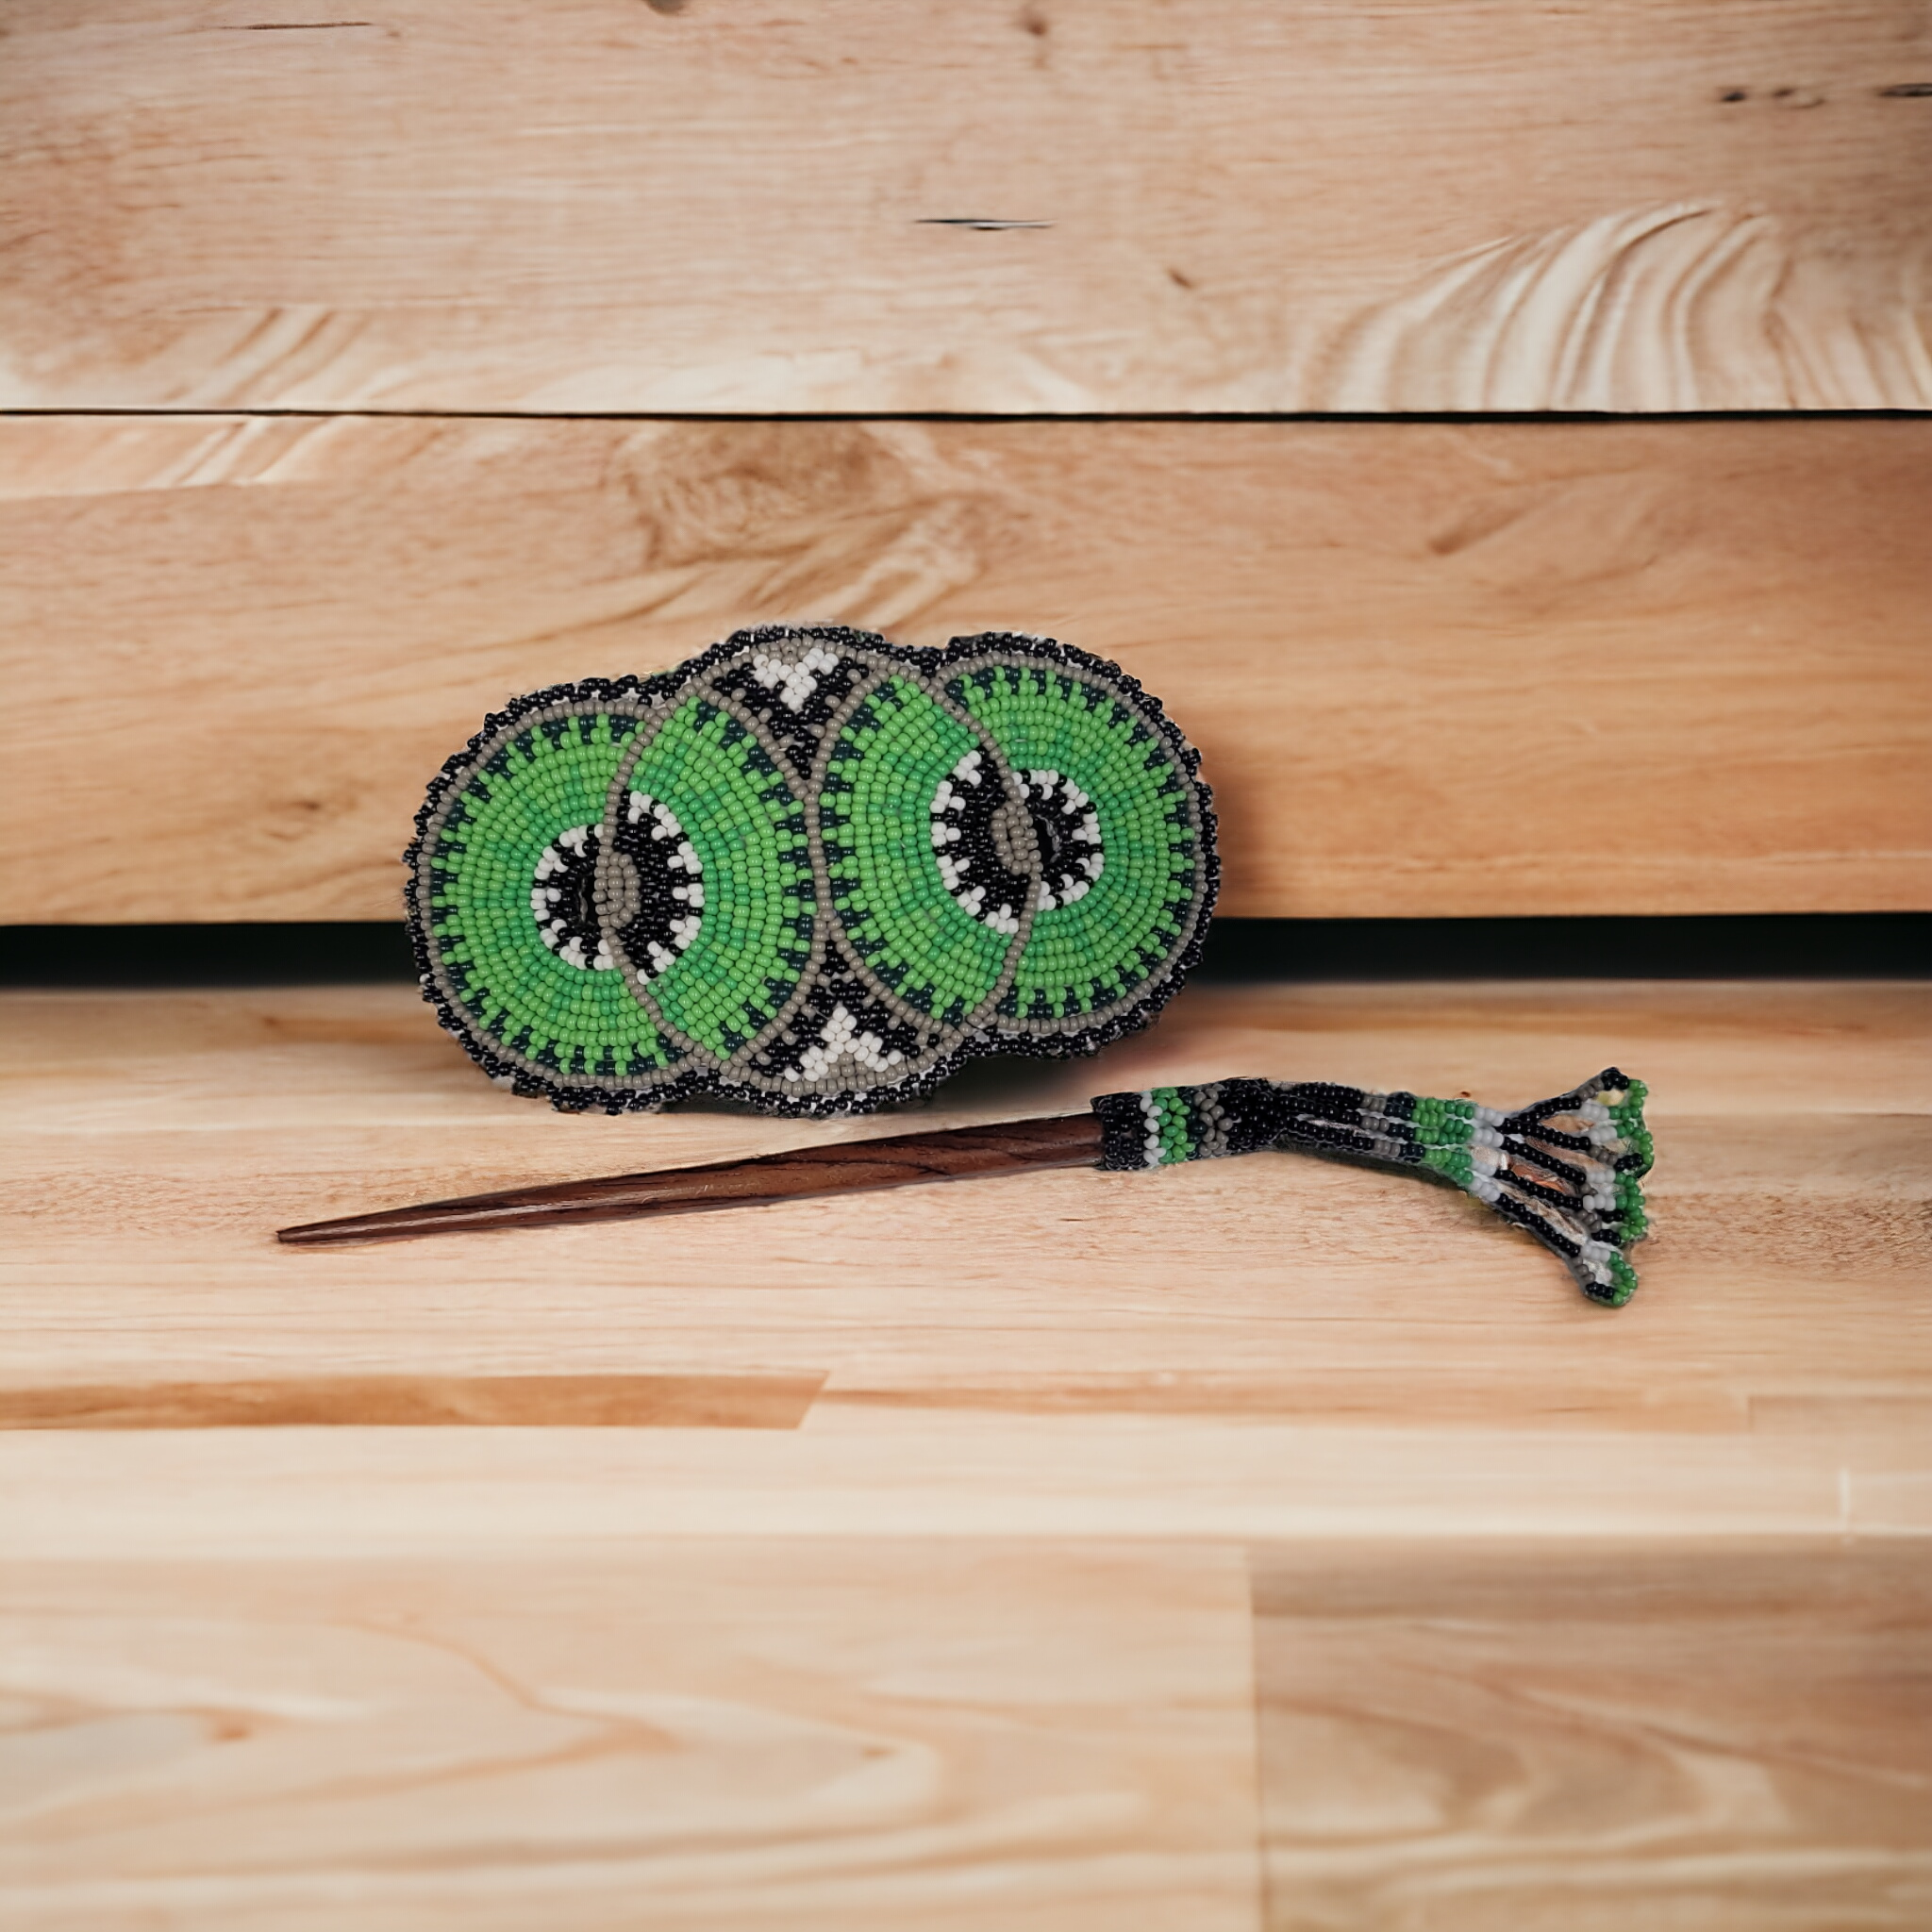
(600, 204)
(243, 645)
(1063, 1551)
(1266, 1544)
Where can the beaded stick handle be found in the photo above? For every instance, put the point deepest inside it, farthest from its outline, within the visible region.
(1577, 1187)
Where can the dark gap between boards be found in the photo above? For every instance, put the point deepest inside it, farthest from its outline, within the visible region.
(1770, 946)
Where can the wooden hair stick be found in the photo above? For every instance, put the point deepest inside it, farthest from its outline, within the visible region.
(840, 1167)
(1567, 1170)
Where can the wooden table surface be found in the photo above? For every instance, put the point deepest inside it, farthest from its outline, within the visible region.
(1269, 1543)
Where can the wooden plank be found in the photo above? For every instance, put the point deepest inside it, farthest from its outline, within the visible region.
(72, 1495)
(1494, 669)
(1502, 1738)
(1267, 1347)
(825, 1737)
(604, 1402)
(598, 206)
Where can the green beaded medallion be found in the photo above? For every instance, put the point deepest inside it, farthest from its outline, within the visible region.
(498, 903)
(1121, 901)
(810, 870)
(902, 928)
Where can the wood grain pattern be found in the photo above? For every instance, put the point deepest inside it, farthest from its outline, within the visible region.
(827, 1733)
(609, 1402)
(237, 648)
(1590, 1738)
(973, 1644)
(600, 205)
(1273, 1346)
(816, 1735)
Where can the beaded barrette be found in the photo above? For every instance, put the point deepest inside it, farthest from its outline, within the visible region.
(810, 870)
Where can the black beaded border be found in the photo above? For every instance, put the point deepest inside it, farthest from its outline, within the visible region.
(1059, 1039)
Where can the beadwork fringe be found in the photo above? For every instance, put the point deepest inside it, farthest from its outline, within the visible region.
(1568, 1170)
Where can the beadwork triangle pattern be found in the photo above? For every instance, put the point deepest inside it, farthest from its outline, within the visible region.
(810, 870)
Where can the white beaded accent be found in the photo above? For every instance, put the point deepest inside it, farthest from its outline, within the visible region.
(546, 904)
(840, 1040)
(1150, 1146)
(795, 680)
(1088, 865)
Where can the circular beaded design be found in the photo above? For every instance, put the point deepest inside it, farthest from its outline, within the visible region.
(810, 870)
(514, 972)
(901, 925)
